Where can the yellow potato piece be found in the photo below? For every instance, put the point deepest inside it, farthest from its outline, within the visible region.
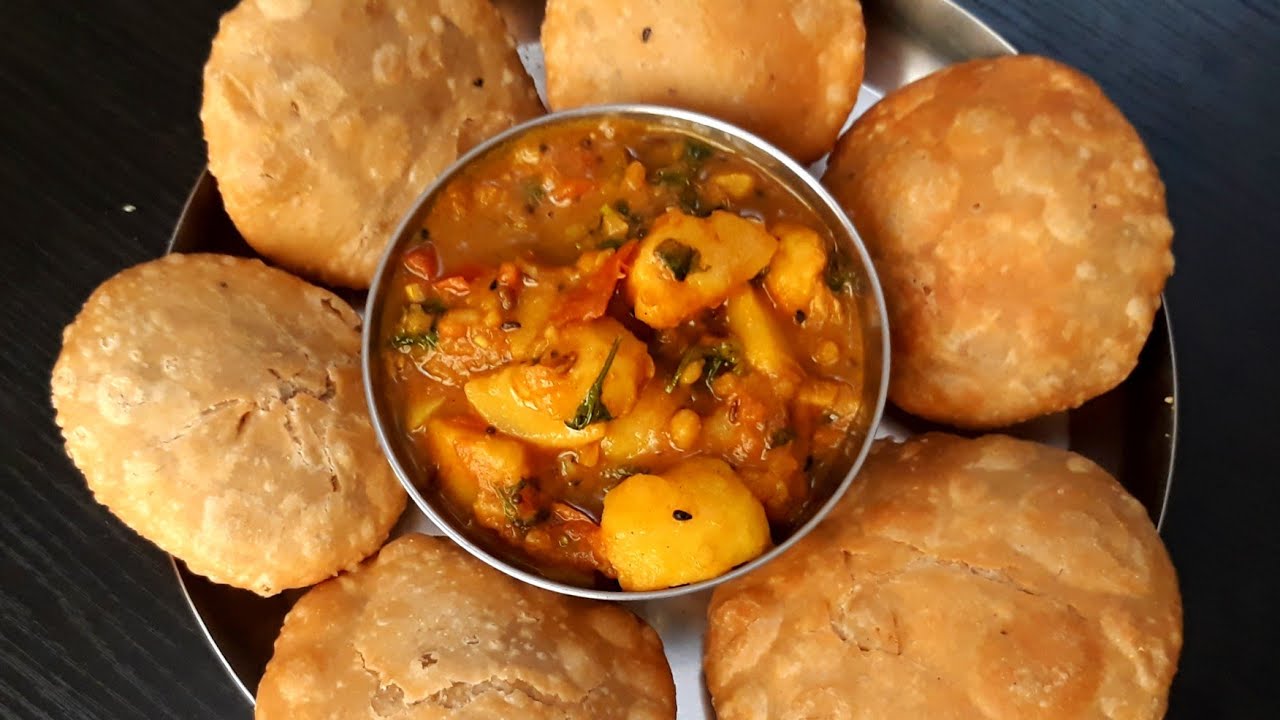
(643, 433)
(736, 185)
(754, 323)
(718, 253)
(650, 547)
(471, 463)
(796, 272)
(533, 400)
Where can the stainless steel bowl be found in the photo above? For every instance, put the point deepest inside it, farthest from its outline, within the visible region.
(771, 162)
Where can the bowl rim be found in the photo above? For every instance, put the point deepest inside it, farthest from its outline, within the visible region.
(694, 123)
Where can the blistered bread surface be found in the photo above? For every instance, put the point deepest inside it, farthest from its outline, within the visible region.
(325, 120)
(1019, 229)
(787, 70)
(991, 578)
(427, 632)
(215, 405)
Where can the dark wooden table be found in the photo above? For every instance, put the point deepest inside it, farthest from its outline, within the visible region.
(100, 142)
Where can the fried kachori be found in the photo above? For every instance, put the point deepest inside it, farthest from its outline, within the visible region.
(324, 120)
(427, 631)
(993, 578)
(788, 71)
(215, 405)
(1019, 229)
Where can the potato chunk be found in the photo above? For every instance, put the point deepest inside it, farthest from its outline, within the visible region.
(687, 264)
(540, 400)
(643, 433)
(796, 272)
(754, 323)
(778, 483)
(693, 522)
(471, 463)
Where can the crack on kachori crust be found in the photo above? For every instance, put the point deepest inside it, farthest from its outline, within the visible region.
(460, 694)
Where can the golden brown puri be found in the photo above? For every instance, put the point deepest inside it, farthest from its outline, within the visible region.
(788, 70)
(215, 405)
(991, 578)
(427, 632)
(1019, 229)
(325, 120)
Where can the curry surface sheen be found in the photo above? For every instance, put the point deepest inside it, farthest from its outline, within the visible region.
(622, 356)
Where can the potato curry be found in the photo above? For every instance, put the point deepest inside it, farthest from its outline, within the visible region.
(624, 354)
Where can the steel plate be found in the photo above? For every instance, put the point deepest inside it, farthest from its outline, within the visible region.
(1131, 431)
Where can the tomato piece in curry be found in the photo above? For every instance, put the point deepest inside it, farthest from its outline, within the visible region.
(623, 354)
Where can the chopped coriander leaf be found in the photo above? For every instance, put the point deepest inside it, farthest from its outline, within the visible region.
(592, 409)
(623, 208)
(840, 276)
(433, 306)
(781, 437)
(690, 355)
(721, 358)
(423, 341)
(534, 193)
(696, 153)
(611, 243)
(717, 359)
(414, 336)
(512, 506)
(679, 179)
(691, 202)
(679, 258)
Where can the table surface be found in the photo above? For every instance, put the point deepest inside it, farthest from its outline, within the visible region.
(102, 141)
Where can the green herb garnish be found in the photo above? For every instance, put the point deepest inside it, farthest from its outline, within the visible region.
(839, 276)
(691, 354)
(611, 243)
(717, 359)
(696, 153)
(679, 177)
(427, 340)
(679, 258)
(721, 358)
(433, 306)
(691, 202)
(680, 181)
(592, 409)
(511, 506)
(534, 194)
(423, 341)
(781, 437)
